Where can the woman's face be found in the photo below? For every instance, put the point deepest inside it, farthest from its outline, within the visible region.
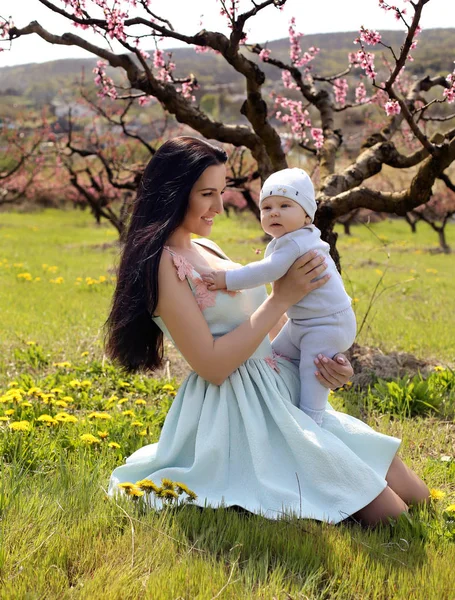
(205, 201)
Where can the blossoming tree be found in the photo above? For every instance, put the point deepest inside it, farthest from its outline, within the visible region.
(310, 108)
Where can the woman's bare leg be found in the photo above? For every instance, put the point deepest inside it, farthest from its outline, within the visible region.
(406, 484)
(387, 504)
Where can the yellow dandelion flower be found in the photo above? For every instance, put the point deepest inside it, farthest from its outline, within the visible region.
(450, 508)
(12, 384)
(140, 401)
(122, 401)
(142, 433)
(128, 413)
(68, 398)
(20, 426)
(182, 488)
(2, 419)
(61, 403)
(379, 272)
(168, 388)
(113, 445)
(89, 438)
(37, 278)
(136, 492)
(9, 412)
(84, 354)
(47, 419)
(31, 343)
(44, 266)
(103, 434)
(62, 365)
(431, 270)
(13, 395)
(439, 368)
(147, 485)
(52, 269)
(167, 494)
(437, 494)
(64, 417)
(34, 391)
(137, 424)
(86, 383)
(57, 391)
(102, 279)
(167, 484)
(79, 279)
(100, 415)
(126, 485)
(25, 276)
(26, 404)
(75, 383)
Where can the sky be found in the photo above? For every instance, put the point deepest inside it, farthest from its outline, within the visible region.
(312, 16)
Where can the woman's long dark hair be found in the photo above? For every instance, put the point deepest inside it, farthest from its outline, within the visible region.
(132, 338)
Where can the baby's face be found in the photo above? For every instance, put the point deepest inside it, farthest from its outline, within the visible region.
(279, 215)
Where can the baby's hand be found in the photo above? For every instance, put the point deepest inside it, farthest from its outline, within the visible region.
(216, 280)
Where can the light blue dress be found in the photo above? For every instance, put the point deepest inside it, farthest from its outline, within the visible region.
(246, 443)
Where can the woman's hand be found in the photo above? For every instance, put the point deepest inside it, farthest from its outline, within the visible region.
(333, 373)
(299, 280)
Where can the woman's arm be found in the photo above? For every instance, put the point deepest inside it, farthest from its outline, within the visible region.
(277, 328)
(215, 359)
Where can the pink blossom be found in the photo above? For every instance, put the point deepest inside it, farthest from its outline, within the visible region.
(360, 93)
(449, 93)
(369, 36)
(293, 114)
(380, 98)
(318, 137)
(103, 81)
(144, 100)
(341, 90)
(158, 60)
(392, 107)
(366, 61)
(287, 80)
(264, 54)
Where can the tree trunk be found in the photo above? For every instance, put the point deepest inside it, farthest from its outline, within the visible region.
(328, 235)
(252, 206)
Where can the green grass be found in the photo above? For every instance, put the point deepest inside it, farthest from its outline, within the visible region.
(59, 535)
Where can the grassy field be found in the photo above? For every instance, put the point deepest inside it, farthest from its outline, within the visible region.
(79, 417)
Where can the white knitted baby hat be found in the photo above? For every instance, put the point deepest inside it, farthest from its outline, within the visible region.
(294, 184)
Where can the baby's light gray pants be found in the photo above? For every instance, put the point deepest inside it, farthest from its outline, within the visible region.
(302, 340)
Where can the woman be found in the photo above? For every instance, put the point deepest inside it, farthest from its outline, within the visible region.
(234, 433)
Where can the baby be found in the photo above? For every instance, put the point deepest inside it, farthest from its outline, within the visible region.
(322, 322)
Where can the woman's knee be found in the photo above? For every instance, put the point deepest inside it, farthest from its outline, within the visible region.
(386, 505)
(406, 484)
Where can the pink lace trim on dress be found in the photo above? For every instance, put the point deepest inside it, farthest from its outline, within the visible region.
(203, 296)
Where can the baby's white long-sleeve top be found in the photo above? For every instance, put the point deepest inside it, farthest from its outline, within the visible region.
(279, 256)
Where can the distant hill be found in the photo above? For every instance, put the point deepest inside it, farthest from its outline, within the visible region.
(434, 55)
